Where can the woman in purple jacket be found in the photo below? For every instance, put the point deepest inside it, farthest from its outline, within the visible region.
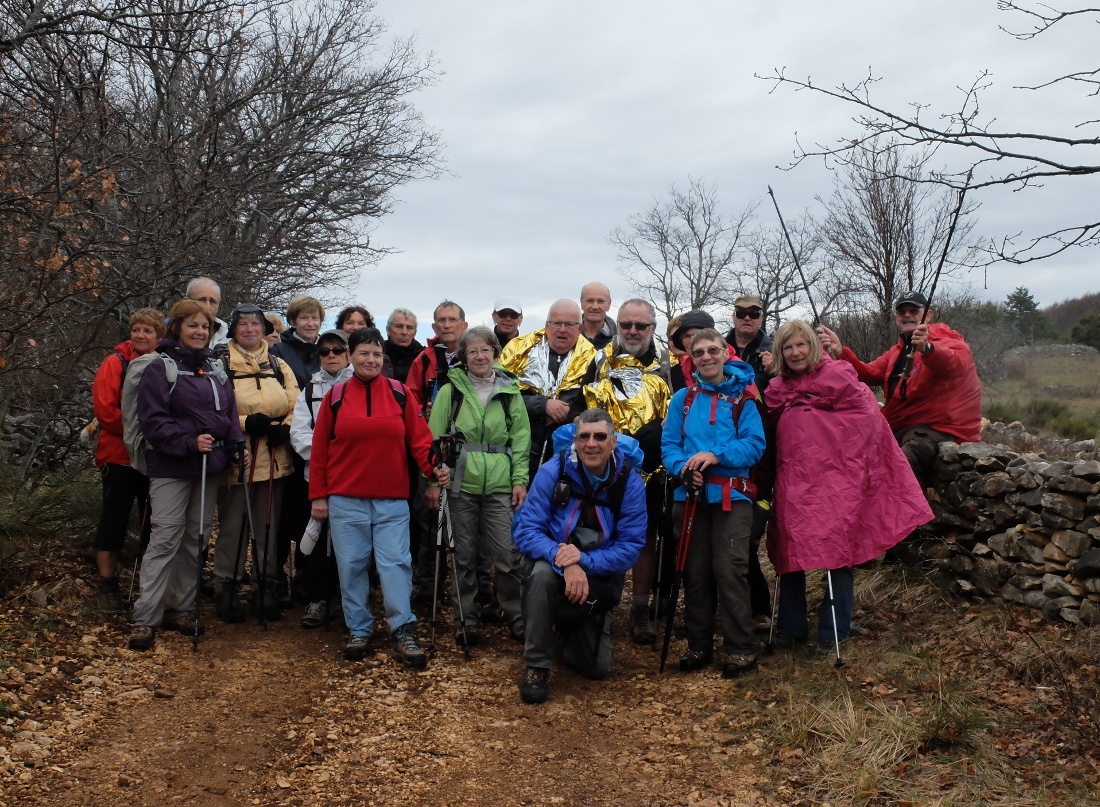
(186, 409)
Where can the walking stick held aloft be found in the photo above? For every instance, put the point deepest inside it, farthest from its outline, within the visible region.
(794, 255)
(939, 269)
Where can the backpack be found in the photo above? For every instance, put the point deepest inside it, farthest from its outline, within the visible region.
(612, 497)
(457, 397)
(336, 399)
(132, 436)
(738, 405)
(90, 433)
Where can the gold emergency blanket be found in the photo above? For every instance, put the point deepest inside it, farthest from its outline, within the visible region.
(631, 392)
(529, 358)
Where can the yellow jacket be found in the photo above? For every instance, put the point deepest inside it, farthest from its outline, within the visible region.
(258, 390)
(526, 357)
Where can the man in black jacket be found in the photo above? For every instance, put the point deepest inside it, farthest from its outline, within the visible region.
(749, 339)
(401, 347)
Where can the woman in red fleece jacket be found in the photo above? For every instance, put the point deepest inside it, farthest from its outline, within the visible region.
(366, 428)
(122, 484)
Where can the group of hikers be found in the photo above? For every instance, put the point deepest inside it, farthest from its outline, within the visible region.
(549, 463)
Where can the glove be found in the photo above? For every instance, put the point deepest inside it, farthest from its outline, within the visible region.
(257, 424)
(277, 434)
(310, 536)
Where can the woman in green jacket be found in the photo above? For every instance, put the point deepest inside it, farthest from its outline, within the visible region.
(482, 409)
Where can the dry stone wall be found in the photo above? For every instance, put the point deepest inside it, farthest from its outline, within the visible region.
(1019, 526)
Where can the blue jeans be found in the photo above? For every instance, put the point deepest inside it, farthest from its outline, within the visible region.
(361, 528)
(793, 620)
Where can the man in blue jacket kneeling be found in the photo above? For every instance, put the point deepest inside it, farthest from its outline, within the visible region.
(580, 530)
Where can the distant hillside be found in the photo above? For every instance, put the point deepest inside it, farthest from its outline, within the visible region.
(1065, 315)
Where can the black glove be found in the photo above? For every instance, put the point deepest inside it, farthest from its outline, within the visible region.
(257, 424)
(277, 434)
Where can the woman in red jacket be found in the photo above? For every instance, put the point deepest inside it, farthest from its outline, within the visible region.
(122, 484)
(366, 428)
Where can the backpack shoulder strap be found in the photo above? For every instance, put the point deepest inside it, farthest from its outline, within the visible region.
(276, 368)
(617, 492)
(456, 403)
(335, 400)
(398, 393)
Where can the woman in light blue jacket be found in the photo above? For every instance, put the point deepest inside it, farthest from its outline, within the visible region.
(712, 437)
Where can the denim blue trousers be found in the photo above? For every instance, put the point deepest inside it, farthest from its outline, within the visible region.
(793, 620)
(360, 529)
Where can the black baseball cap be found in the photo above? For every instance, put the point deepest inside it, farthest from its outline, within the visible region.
(911, 298)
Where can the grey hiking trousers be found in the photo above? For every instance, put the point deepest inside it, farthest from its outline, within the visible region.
(170, 565)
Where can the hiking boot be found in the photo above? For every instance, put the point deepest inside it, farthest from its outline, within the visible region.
(466, 638)
(532, 689)
(264, 604)
(356, 648)
(141, 637)
(182, 624)
(762, 623)
(316, 615)
(694, 660)
(282, 594)
(516, 631)
(738, 663)
(406, 650)
(492, 614)
(107, 595)
(784, 641)
(642, 630)
(228, 605)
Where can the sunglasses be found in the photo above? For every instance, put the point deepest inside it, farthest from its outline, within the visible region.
(336, 351)
(599, 437)
(747, 313)
(710, 351)
(634, 326)
(508, 314)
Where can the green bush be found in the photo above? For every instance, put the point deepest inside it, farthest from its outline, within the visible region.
(1042, 412)
(1005, 412)
(47, 505)
(1074, 427)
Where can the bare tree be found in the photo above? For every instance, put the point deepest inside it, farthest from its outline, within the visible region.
(886, 227)
(683, 252)
(254, 142)
(1018, 160)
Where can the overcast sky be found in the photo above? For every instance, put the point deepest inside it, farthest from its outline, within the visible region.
(562, 119)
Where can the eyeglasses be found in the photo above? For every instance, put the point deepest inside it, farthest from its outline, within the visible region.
(335, 351)
(586, 437)
(447, 320)
(747, 313)
(508, 314)
(634, 326)
(479, 351)
(561, 323)
(710, 351)
(208, 300)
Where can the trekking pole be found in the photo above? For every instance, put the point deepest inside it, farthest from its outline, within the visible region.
(437, 457)
(267, 536)
(202, 540)
(443, 506)
(770, 646)
(936, 277)
(143, 544)
(794, 256)
(832, 608)
(664, 535)
(681, 559)
(244, 522)
(248, 514)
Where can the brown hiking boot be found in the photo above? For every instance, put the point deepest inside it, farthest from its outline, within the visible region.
(406, 650)
(141, 637)
(532, 689)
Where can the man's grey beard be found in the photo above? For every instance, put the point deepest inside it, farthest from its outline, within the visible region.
(642, 348)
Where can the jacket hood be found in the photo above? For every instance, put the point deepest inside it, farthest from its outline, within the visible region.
(627, 447)
(503, 381)
(190, 357)
(739, 375)
(322, 375)
(126, 349)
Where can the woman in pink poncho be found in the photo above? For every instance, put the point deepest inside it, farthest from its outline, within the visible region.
(844, 492)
